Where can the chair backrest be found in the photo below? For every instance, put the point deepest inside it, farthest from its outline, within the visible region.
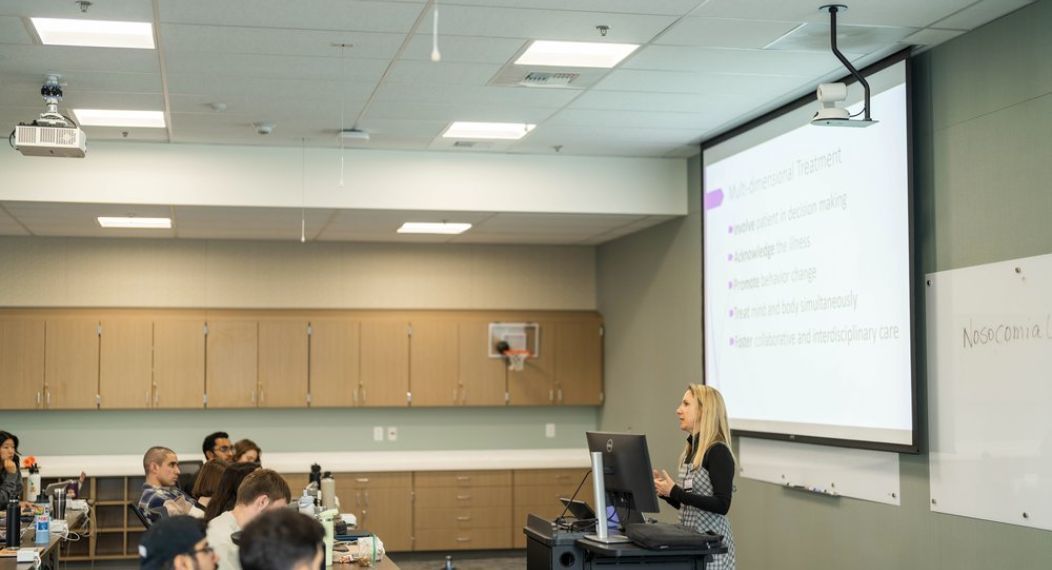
(188, 474)
(139, 515)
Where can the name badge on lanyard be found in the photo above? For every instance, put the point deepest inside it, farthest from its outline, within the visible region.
(688, 479)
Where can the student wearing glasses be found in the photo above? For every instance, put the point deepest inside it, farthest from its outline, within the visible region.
(217, 446)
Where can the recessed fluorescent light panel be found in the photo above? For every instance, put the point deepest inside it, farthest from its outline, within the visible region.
(137, 223)
(94, 33)
(433, 228)
(575, 54)
(504, 131)
(115, 118)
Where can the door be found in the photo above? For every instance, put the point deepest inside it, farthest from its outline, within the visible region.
(334, 361)
(433, 363)
(126, 364)
(231, 352)
(579, 363)
(21, 363)
(385, 363)
(179, 363)
(283, 363)
(71, 363)
(483, 380)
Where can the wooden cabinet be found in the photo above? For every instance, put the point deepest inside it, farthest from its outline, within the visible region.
(283, 363)
(231, 359)
(21, 363)
(434, 363)
(538, 491)
(334, 358)
(534, 385)
(483, 380)
(462, 510)
(179, 363)
(126, 363)
(579, 362)
(382, 503)
(384, 363)
(71, 363)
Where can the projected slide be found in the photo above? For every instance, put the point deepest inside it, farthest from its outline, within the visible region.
(807, 303)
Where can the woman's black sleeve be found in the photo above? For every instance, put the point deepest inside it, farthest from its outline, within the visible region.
(675, 504)
(720, 464)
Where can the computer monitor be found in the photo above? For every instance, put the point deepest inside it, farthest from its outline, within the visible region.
(628, 477)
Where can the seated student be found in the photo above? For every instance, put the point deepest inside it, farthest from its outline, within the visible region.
(10, 475)
(282, 539)
(261, 490)
(246, 451)
(206, 483)
(225, 496)
(217, 446)
(161, 498)
(178, 543)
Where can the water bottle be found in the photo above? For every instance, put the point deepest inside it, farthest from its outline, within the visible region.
(14, 524)
(328, 492)
(33, 484)
(43, 528)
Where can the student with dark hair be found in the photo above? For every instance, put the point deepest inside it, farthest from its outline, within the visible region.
(261, 491)
(10, 476)
(225, 496)
(217, 446)
(207, 482)
(282, 539)
(161, 497)
(178, 543)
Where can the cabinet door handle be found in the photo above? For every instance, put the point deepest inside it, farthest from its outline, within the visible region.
(463, 478)
(551, 395)
(252, 396)
(262, 394)
(367, 497)
(363, 394)
(560, 394)
(463, 497)
(362, 480)
(358, 498)
(463, 539)
(38, 399)
(156, 396)
(48, 398)
(464, 518)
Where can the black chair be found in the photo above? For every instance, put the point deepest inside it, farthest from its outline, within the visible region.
(139, 515)
(188, 474)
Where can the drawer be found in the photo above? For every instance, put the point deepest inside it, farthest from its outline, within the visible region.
(543, 495)
(453, 539)
(552, 477)
(463, 479)
(462, 518)
(447, 498)
(374, 480)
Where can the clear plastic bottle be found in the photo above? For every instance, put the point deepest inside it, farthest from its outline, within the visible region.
(42, 527)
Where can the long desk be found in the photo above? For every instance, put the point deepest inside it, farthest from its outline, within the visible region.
(48, 558)
(549, 548)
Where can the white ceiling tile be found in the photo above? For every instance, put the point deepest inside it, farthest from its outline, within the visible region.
(548, 24)
(712, 60)
(624, 119)
(980, 13)
(360, 15)
(232, 70)
(510, 97)
(181, 38)
(851, 40)
(641, 101)
(656, 7)
(130, 10)
(80, 220)
(40, 60)
(464, 49)
(906, 13)
(723, 84)
(442, 73)
(13, 31)
(931, 37)
(725, 33)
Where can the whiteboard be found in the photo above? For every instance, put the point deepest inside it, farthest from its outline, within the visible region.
(989, 331)
(821, 469)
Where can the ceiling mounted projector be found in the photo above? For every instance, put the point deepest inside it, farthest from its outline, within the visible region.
(353, 135)
(52, 133)
(829, 94)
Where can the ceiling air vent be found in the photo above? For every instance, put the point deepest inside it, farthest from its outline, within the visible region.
(547, 79)
(464, 144)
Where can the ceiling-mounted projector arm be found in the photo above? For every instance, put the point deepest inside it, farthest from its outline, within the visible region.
(833, 9)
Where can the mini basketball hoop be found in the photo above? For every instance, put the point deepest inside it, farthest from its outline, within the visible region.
(516, 359)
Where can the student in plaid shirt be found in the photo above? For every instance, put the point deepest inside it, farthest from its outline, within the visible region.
(160, 496)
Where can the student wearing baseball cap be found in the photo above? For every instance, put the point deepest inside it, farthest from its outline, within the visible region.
(176, 543)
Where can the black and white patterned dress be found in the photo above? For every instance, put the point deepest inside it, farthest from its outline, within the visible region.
(697, 481)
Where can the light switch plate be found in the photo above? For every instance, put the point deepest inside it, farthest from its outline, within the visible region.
(549, 430)
(378, 433)
(392, 433)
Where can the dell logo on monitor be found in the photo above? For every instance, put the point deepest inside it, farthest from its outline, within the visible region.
(609, 446)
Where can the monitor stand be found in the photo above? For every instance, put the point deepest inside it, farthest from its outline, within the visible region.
(602, 534)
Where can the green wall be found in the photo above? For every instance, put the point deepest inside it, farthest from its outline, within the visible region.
(982, 148)
(419, 429)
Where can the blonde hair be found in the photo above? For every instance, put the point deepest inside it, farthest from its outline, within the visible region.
(710, 423)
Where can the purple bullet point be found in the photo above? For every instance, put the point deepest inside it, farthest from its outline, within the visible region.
(732, 341)
(730, 256)
(731, 312)
(730, 284)
(730, 229)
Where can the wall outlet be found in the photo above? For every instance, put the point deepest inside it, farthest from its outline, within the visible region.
(378, 433)
(392, 433)
(549, 430)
